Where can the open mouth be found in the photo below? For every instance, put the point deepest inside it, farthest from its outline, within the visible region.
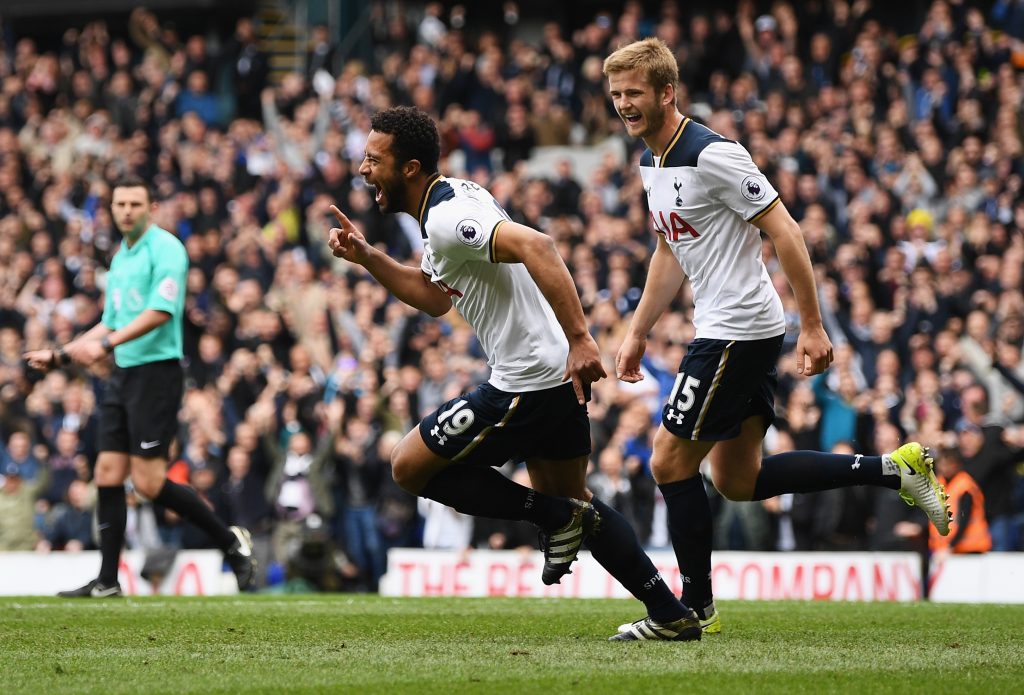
(378, 192)
(631, 118)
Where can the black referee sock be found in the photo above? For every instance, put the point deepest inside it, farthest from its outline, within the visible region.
(813, 471)
(483, 491)
(616, 548)
(689, 527)
(187, 504)
(112, 515)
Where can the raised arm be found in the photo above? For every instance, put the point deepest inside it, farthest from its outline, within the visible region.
(407, 283)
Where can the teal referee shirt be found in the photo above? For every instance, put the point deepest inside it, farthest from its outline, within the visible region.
(149, 275)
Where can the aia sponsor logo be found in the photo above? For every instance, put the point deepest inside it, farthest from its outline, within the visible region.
(674, 227)
(448, 289)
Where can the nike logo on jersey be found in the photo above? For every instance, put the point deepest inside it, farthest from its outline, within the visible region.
(150, 445)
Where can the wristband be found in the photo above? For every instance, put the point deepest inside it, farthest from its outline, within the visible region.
(58, 358)
(105, 343)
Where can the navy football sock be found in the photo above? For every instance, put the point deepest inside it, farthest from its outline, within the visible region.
(483, 491)
(112, 515)
(186, 502)
(615, 546)
(813, 471)
(689, 527)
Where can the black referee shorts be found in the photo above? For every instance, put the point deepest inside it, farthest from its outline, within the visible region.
(139, 412)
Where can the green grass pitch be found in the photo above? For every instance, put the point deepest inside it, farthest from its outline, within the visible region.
(369, 644)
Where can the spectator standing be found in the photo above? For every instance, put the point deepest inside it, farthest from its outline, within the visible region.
(242, 502)
(968, 527)
(991, 462)
(359, 472)
(17, 509)
(250, 69)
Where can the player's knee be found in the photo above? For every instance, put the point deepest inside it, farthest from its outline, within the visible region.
(733, 488)
(403, 470)
(108, 476)
(661, 468)
(667, 469)
(111, 470)
(147, 486)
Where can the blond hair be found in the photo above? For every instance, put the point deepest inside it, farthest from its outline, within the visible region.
(651, 56)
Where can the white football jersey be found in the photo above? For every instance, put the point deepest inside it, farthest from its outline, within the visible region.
(704, 193)
(525, 345)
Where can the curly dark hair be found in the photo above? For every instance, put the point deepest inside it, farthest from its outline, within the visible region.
(415, 135)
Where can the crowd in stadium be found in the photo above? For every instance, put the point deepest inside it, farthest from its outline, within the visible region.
(899, 155)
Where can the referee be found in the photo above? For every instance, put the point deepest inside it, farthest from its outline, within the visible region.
(142, 326)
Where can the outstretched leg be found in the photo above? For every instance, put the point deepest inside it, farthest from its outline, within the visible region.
(740, 473)
(477, 490)
(149, 475)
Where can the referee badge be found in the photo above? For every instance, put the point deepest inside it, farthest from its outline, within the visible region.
(168, 289)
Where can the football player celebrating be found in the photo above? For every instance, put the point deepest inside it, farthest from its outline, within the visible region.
(708, 200)
(510, 284)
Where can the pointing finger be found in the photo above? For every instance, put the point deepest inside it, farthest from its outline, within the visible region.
(342, 219)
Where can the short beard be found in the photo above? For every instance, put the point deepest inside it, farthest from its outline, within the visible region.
(394, 191)
(136, 231)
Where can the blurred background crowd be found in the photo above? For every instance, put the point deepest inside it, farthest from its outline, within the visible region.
(893, 135)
